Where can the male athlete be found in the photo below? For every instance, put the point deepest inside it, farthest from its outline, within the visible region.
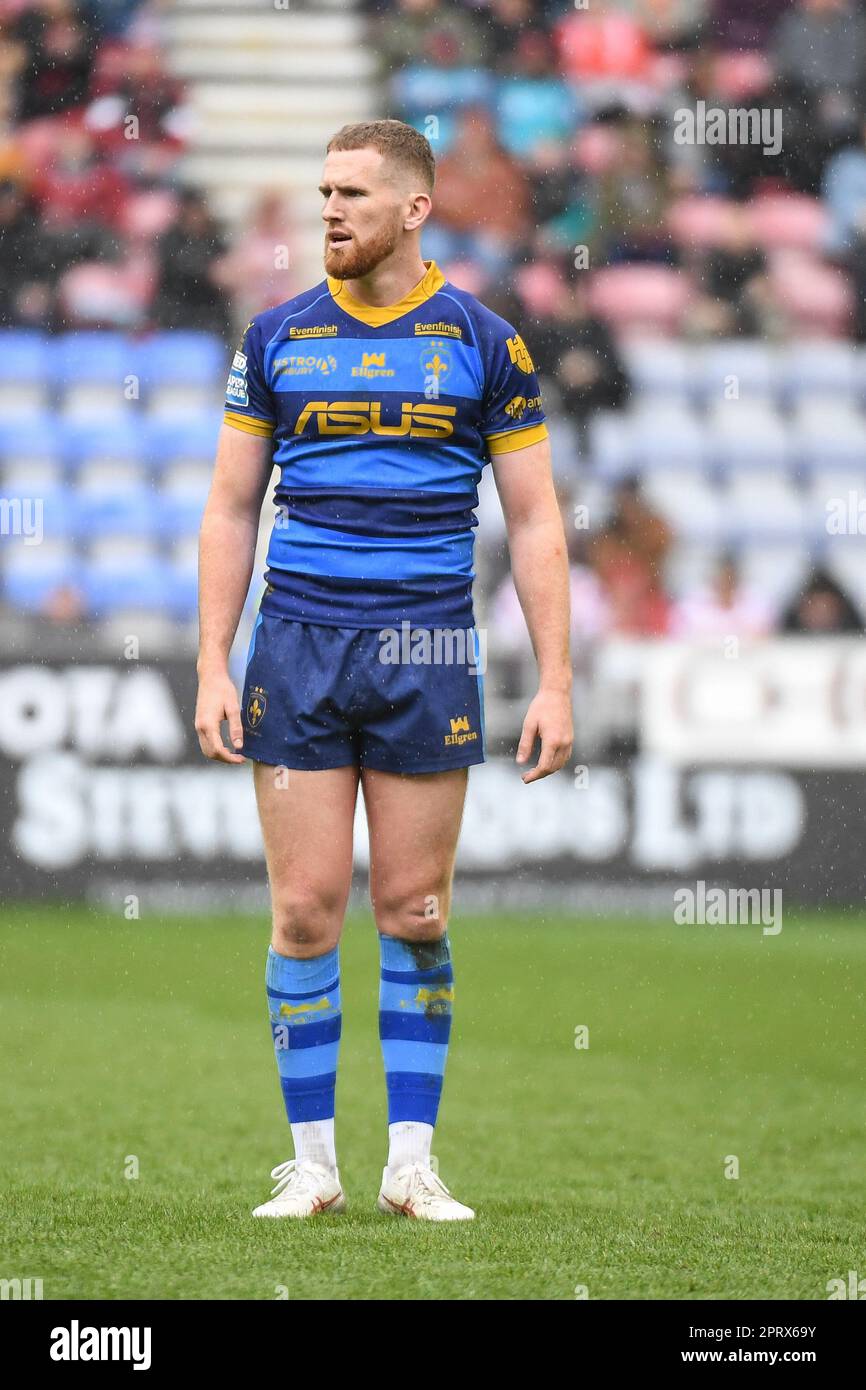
(379, 394)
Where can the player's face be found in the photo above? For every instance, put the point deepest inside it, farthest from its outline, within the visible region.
(365, 208)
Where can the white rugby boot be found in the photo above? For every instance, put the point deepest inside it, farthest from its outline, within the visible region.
(303, 1189)
(416, 1191)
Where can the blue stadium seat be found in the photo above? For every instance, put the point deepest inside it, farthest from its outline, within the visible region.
(611, 444)
(24, 357)
(747, 434)
(748, 367)
(182, 359)
(668, 436)
(658, 369)
(178, 515)
(829, 437)
(122, 439)
(181, 593)
(31, 572)
(193, 439)
(127, 512)
(819, 369)
(112, 588)
(105, 358)
(32, 438)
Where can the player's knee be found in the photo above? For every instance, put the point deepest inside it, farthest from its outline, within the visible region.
(305, 924)
(411, 916)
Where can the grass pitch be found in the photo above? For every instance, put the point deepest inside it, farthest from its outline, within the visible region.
(601, 1167)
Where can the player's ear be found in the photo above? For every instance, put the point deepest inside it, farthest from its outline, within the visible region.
(419, 211)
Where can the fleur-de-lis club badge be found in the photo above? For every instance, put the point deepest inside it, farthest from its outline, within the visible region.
(257, 704)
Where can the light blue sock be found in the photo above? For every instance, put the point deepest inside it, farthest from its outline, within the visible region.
(306, 1019)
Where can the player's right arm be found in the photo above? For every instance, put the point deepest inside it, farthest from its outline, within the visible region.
(227, 547)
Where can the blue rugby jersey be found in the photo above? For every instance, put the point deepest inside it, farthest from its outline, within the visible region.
(382, 420)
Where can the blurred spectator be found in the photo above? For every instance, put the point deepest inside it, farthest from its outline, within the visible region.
(187, 294)
(632, 199)
(58, 44)
(844, 192)
(819, 47)
(257, 272)
(744, 24)
(64, 606)
(725, 608)
(481, 208)
(412, 31)
(576, 352)
(821, 608)
(628, 556)
(562, 200)
(590, 610)
(819, 54)
(77, 189)
(731, 281)
(26, 281)
(534, 104)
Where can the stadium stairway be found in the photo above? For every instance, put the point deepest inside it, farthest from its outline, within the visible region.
(268, 81)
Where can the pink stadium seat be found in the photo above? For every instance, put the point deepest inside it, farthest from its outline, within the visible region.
(644, 298)
(790, 221)
(539, 287)
(817, 297)
(697, 224)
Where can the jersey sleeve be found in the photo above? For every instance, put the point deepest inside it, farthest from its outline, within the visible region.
(512, 416)
(249, 405)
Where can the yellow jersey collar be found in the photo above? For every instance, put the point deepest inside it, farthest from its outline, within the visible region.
(376, 315)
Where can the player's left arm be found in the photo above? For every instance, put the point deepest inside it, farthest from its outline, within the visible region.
(539, 566)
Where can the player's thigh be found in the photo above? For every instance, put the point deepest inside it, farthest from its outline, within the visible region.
(414, 824)
(307, 821)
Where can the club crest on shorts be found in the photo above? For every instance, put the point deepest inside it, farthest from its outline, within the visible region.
(257, 705)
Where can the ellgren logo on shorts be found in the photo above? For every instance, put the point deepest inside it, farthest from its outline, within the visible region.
(257, 705)
(461, 732)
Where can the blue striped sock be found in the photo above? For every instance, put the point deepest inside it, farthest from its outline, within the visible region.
(415, 996)
(304, 1005)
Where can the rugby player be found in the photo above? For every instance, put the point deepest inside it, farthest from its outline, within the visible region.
(379, 394)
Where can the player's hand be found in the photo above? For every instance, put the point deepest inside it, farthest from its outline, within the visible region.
(549, 719)
(218, 701)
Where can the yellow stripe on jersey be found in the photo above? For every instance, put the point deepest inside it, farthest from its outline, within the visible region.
(250, 424)
(376, 316)
(511, 440)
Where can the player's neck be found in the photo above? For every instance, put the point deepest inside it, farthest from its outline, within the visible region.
(388, 283)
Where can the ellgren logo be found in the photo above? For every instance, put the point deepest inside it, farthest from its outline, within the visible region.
(461, 732)
(373, 364)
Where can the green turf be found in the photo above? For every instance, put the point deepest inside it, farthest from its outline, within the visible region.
(602, 1167)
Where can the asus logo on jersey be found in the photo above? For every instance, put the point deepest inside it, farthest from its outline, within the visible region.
(419, 421)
